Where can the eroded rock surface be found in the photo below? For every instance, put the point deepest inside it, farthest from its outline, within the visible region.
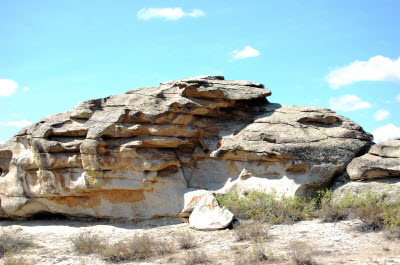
(377, 173)
(382, 161)
(134, 155)
(208, 215)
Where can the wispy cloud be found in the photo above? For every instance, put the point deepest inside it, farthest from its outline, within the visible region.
(398, 97)
(167, 13)
(348, 103)
(381, 115)
(247, 52)
(386, 133)
(7, 87)
(26, 89)
(378, 68)
(22, 123)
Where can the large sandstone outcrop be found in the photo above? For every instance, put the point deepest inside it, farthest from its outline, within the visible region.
(377, 172)
(134, 155)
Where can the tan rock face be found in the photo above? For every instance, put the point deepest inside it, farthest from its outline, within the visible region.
(134, 155)
(377, 173)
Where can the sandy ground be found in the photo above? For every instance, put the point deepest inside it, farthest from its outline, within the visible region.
(327, 243)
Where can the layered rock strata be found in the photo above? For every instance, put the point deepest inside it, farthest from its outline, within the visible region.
(134, 155)
(377, 173)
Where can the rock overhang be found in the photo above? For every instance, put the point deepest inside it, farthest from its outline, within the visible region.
(155, 143)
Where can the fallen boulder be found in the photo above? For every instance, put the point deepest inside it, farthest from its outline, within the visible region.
(208, 215)
(191, 199)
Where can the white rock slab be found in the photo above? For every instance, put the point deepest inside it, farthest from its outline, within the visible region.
(208, 215)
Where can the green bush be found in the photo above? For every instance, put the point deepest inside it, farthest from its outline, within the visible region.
(372, 210)
(261, 206)
(329, 211)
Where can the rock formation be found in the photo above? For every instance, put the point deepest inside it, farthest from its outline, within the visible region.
(377, 172)
(134, 155)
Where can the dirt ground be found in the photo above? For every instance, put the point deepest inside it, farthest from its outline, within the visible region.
(325, 243)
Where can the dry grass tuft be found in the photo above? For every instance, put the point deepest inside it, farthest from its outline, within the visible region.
(257, 255)
(16, 261)
(301, 254)
(186, 240)
(88, 242)
(136, 248)
(254, 231)
(13, 241)
(195, 257)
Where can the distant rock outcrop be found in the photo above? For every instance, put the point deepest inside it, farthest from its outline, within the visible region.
(377, 172)
(135, 155)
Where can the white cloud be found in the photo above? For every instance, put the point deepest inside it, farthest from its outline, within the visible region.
(25, 89)
(398, 97)
(348, 103)
(22, 123)
(167, 13)
(7, 87)
(247, 52)
(1, 142)
(378, 68)
(386, 133)
(381, 115)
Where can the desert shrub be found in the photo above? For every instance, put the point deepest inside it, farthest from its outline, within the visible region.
(254, 231)
(367, 207)
(195, 257)
(13, 241)
(300, 254)
(391, 215)
(88, 242)
(371, 209)
(329, 211)
(137, 248)
(391, 221)
(257, 255)
(16, 261)
(186, 240)
(261, 206)
(164, 248)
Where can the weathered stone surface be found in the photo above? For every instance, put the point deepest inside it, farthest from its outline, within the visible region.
(208, 215)
(191, 200)
(135, 155)
(382, 161)
(388, 189)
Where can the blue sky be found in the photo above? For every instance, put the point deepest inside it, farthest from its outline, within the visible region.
(343, 55)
